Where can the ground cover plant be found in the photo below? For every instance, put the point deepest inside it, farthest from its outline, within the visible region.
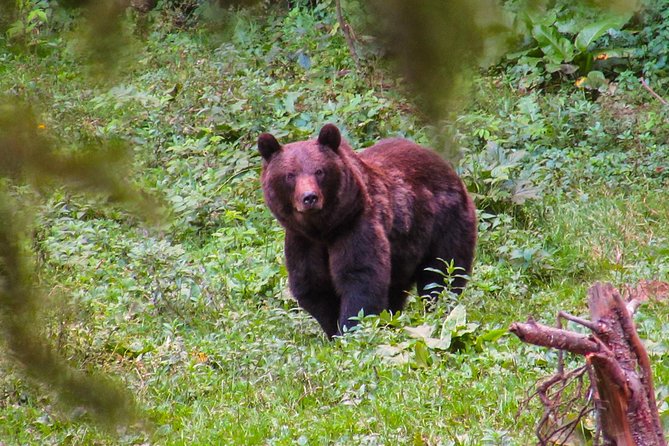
(192, 313)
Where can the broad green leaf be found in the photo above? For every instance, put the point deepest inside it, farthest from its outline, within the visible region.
(524, 191)
(500, 172)
(471, 327)
(536, 16)
(304, 60)
(519, 54)
(612, 52)
(289, 101)
(596, 30)
(388, 318)
(516, 156)
(492, 335)
(530, 61)
(395, 354)
(439, 343)
(37, 14)
(555, 47)
(553, 67)
(489, 336)
(595, 80)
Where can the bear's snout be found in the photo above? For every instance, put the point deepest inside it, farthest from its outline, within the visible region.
(309, 202)
(309, 199)
(307, 196)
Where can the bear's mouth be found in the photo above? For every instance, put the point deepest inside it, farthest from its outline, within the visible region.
(308, 210)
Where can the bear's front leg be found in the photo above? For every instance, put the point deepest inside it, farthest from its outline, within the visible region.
(360, 268)
(310, 282)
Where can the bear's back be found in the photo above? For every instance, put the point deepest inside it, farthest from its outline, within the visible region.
(398, 157)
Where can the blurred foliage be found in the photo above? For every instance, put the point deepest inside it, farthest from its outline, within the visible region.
(195, 317)
(28, 157)
(434, 43)
(588, 43)
(573, 54)
(32, 17)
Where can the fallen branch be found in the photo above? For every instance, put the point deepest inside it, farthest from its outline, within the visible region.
(535, 333)
(652, 92)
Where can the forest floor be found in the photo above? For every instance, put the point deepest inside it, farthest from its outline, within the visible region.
(193, 314)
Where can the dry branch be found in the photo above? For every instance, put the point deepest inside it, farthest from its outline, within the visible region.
(348, 33)
(535, 333)
(625, 399)
(645, 85)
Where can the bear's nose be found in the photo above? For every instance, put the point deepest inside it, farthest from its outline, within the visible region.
(309, 198)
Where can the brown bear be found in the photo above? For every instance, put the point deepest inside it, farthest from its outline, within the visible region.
(361, 229)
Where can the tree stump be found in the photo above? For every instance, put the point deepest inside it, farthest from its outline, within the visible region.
(624, 395)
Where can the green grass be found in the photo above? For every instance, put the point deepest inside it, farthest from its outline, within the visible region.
(194, 315)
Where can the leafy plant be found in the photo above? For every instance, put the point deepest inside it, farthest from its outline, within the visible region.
(497, 179)
(455, 334)
(444, 289)
(33, 15)
(650, 38)
(564, 40)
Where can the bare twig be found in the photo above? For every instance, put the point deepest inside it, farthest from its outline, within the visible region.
(553, 426)
(578, 320)
(652, 92)
(348, 34)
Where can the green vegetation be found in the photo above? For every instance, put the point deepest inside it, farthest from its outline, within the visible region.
(193, 314)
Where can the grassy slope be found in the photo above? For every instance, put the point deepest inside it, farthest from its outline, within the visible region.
(194, 317)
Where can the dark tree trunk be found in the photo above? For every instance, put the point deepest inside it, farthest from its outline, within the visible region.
(626, 400)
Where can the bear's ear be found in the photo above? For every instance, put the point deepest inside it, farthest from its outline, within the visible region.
(268, 145)
(329, 136)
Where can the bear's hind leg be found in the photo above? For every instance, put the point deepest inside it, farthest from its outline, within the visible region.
(454, 240)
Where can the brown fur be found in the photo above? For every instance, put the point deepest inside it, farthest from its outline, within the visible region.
(362, 228)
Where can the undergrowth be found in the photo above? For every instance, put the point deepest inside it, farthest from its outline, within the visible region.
(193, 314)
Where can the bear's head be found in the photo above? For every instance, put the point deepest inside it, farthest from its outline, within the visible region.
(306, 183)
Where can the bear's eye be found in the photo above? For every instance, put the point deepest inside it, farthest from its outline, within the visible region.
(290, 176)
(319, 172)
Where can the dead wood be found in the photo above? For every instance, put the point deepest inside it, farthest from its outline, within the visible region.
(348, 33)
(617, 362)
